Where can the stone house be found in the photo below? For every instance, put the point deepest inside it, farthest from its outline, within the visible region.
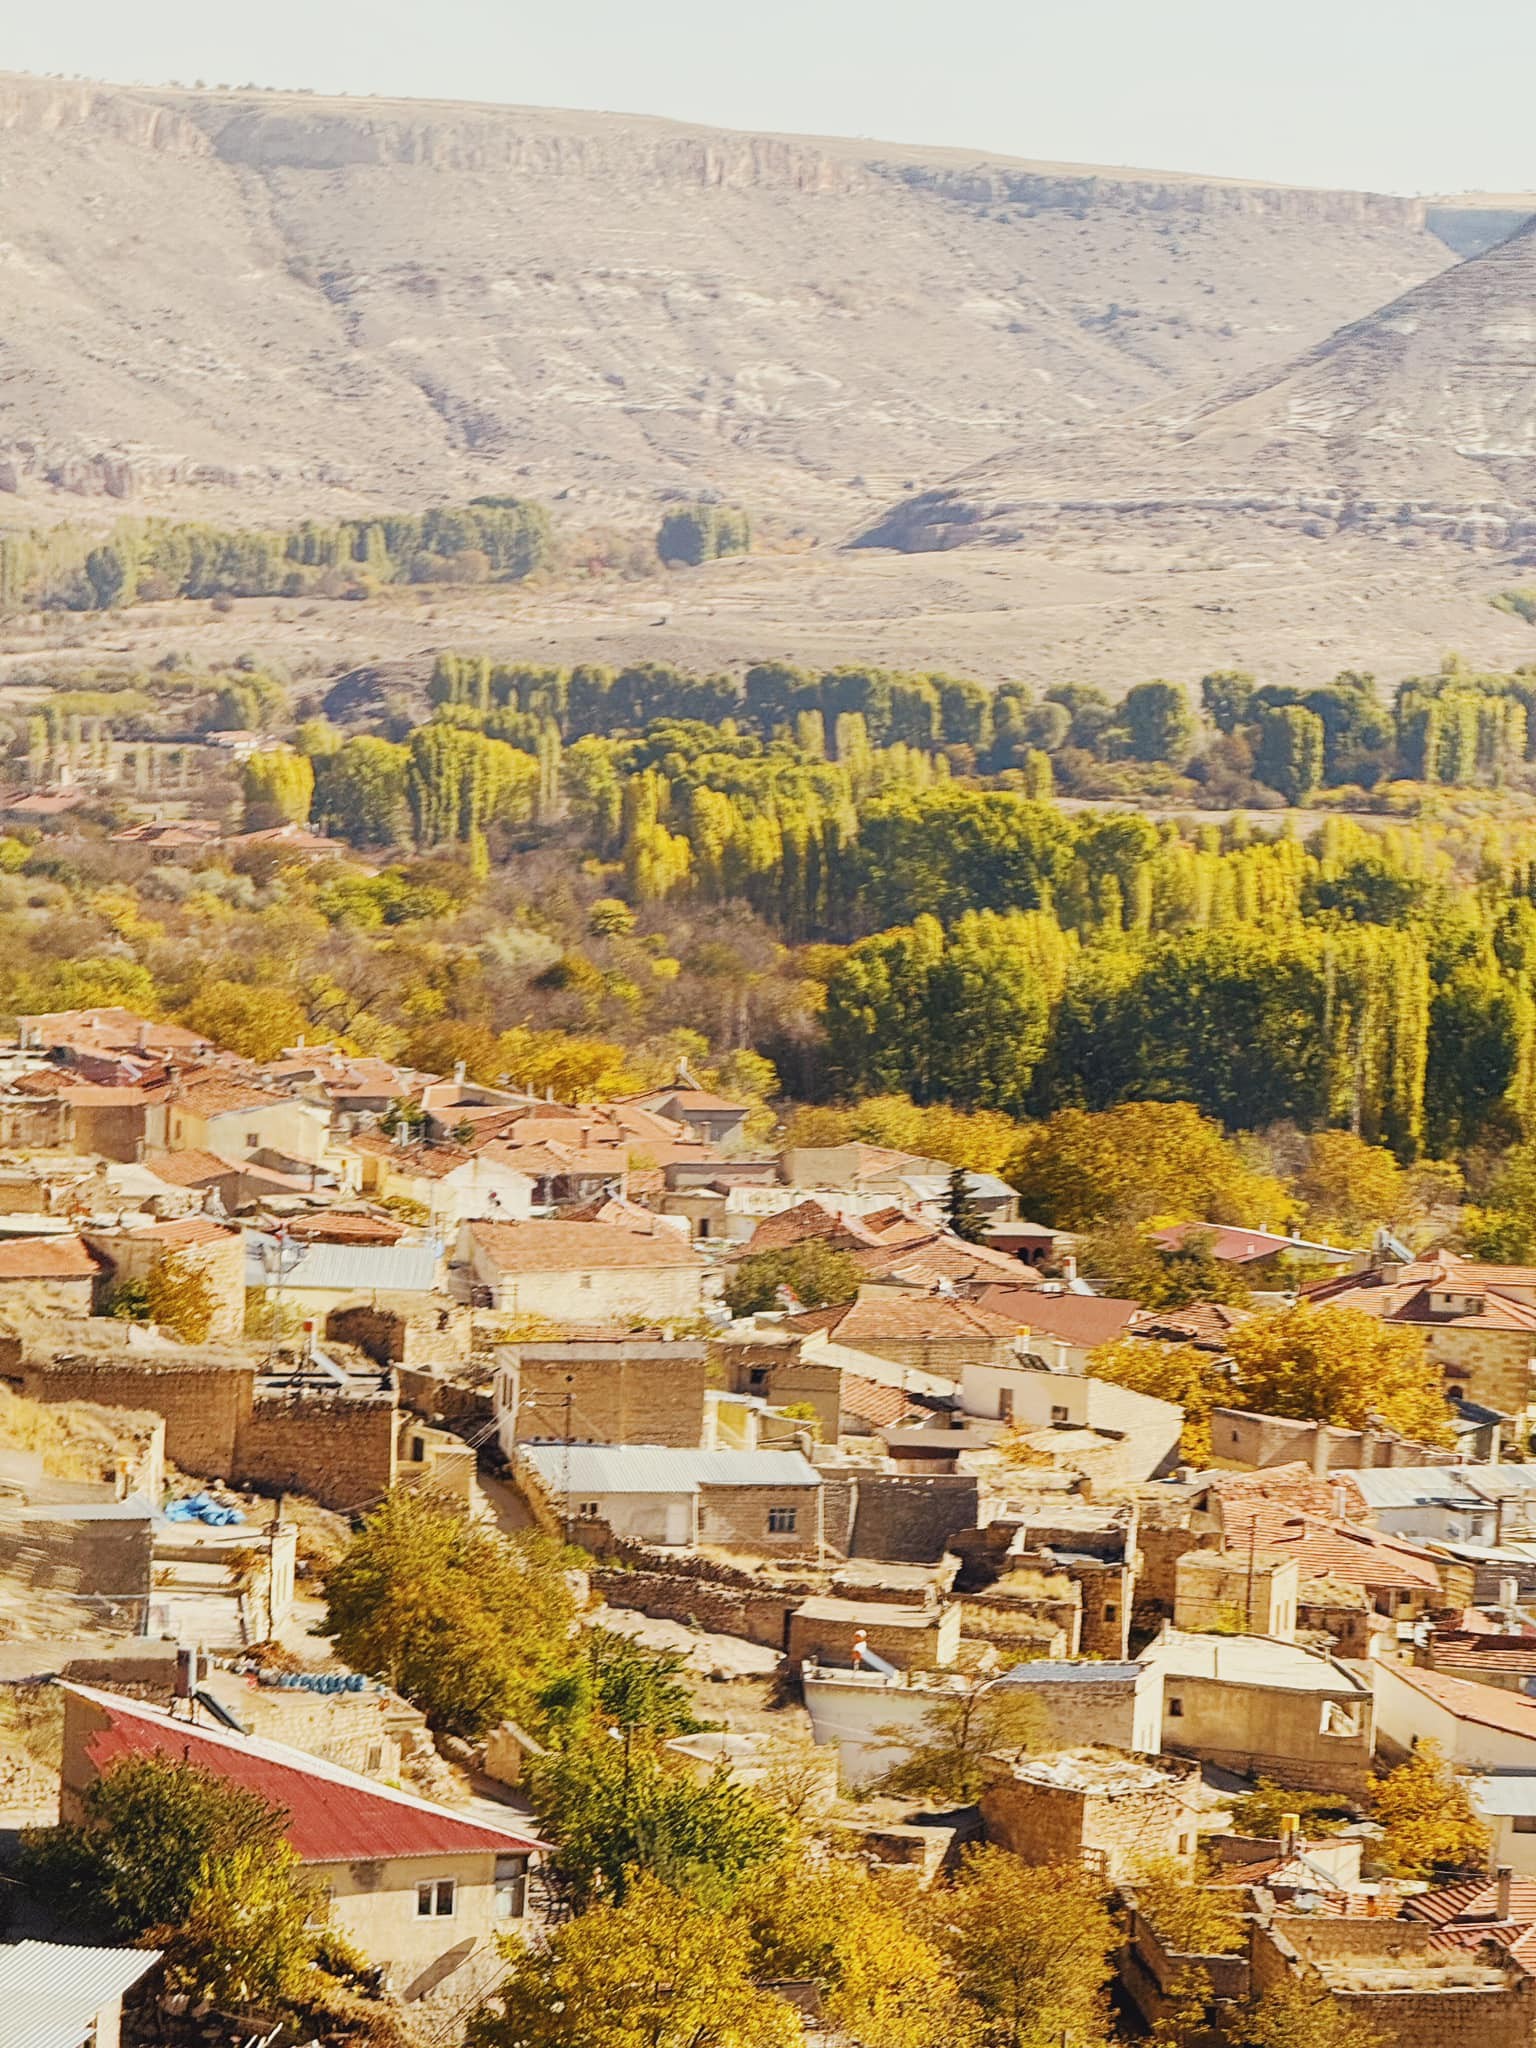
(451, 1182)
(1139, 1435)
(1085, 1701)
(1090, 1806)
(765, 1503)
(423, 1891)
(934, 1333)
(711, 1117)
(210, 1111)
(584, 1272)
(614, 1391)
(1225, 1592)
(1264, 1708)
(836, 1632)
(190, 1243)
(1476, 1726)
(49, 1276)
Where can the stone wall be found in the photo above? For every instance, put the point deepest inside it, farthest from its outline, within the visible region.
(1052, 1824)
(74, 1297)
(339, 1449)
(737, 1518)
(424, 1341)
(205, 1406)
(904, 1520)
(1415, 2012)
(1243, 1438)
(728, 1610)
(635, 1400)
(1261, 1730)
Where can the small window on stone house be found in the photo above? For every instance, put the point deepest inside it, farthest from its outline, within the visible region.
(1339, 1718)
(511, 1887)
(375, 1759)
(783, 1521)
(1111, 1611)
(253, 1137)
(1175, 1709)
(1058, 1415)
(588, 1511)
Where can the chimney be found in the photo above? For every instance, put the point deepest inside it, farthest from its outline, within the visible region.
(1339, 1495)
(1320, 1449)
(1069, 1268)
(459, 1071)
(1290, 1833)
(1509, 1595)
(1504, 1879)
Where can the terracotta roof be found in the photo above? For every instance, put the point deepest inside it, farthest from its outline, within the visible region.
(190, 1169)
(1082, 1319)
(334, 1815)
(1489, 1706)
(872, 1401)
(47, 1258)
(117, 1029)
(942, 1257)
(1296, 1486)
(685, 1098)
(346, 1226)
(184, 1230)
(48, 1084)
(1474, 1898)
(1236, 1245)
(578, 1247)
(1403, 1294)
(878, 1316)
(1463, 1651)
(221, 1095)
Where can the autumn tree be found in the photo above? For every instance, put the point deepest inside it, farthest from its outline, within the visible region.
(1323, 1363)
(963, 1741)
(1192, 1379)
(1349, 1187)
(279, 788)
(1032, 1949)
(466, 1623)
(649, 1971)
(1303, 2013)
(1429, 1822)
(245, 1938)
(1080, 1169)
(256, 1022)
(179, 1296)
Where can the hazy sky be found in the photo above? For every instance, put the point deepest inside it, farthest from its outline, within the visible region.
(1395, 95)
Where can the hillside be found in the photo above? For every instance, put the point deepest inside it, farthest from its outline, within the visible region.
(1417, 422)
(270, 301)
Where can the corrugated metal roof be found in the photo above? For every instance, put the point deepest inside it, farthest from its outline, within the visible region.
(50, 1994)
(1412, 1486)
(651, 1468)
(1047, 1671)
(334, 1815)
(352, 1268)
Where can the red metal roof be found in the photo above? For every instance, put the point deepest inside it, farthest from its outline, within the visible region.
(334, 1815)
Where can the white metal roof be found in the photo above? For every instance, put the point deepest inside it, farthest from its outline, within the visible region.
(652, 1468)
(50, 1994)
(1248, 1660)
(351, 1268)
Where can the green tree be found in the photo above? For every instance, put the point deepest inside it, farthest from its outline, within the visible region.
(1303, 2013)
(650, 1970)
(962, 1216)
(245, 1940)
(152, 1830)
(1289, 756)
(1224, 698)
(360, 791)
(618, 1809)
(179, 1296)
(466, 1623)
(814, 1272)
(612, 1681)
(1158, 722)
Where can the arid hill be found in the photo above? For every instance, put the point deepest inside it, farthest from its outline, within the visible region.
(1418, 421)
(292, 302)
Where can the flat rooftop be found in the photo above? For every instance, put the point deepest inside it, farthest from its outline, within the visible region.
(1249, 1660)
(1093, 1770)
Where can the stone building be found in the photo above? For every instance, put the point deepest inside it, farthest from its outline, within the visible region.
(832, 1631)
(614, 1391)
(1108, 1705)
(585, 1272)
(1224, 1591)
(762, 1503)
(1094, 1807)
(189, 1244)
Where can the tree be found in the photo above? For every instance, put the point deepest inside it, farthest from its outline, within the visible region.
(881, 1979)
(960, 1740)
(1289, 756)
(279, 788)
(360, 791)
(1304, 2013)
(1082, 1168)
(153, 1829)
(466, 1623)
(1263, 1810)
(256, 1022)
(1348, 1186)
(962, 1217)
(612, 1681)
(1429, 1820)
(179, 1296)
(814, 1272)
(1321, 1363)
(1133, 1263)
(1224, 697)
(648, 1971)
(1158, 722)
(699, 533)
(1032, 1947)
(1193, 1379)
(245, 1938)
(618, 1809)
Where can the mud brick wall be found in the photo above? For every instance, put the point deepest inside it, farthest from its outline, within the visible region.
(394, 1337)
(1047, 1824)
(900, 1519)
(440, 1400)
(205, 1406)
(737, 1517)
(340, 1450)
(761, 1617)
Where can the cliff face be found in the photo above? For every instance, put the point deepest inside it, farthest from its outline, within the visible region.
(295, 298)
(1418, 420)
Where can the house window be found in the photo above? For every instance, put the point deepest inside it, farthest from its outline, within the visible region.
(434, 1899)
(511, 1887)
(1525, 1823)
(584, 1280)
(1339, 1718)
(588, 1511)
(253, 1137)
(1111, 1611)
(1058, 1415)
(418, 1450)
(1175, 1709)
(782, 1521)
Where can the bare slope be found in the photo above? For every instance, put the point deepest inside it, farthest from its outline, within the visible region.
(1417, 421)
(290, 298)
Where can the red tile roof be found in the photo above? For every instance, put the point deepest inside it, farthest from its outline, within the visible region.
(190, 1169)
(1081, 1319)
(1464, 1651)
(1488, 1706)
(47, 1258)
(873, 1402)
(578, 1247)
(334, 1816)
(221, 1095)
(184, 1230)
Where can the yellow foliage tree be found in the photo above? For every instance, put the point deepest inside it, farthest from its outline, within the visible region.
(1430, 1821)
(1138, 1161)
(1169, 1372)
(1032, 1948)
(257, 1023)
(1340, 1365)
(982, 1140)
(1349, 1187)
(178, 1295)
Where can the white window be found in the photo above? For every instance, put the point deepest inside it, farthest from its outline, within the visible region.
(1339, 1718)
(434, 1899)
(511, 1887)
(782, 1521)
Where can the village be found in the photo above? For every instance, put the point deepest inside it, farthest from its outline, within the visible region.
(906, 1552)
